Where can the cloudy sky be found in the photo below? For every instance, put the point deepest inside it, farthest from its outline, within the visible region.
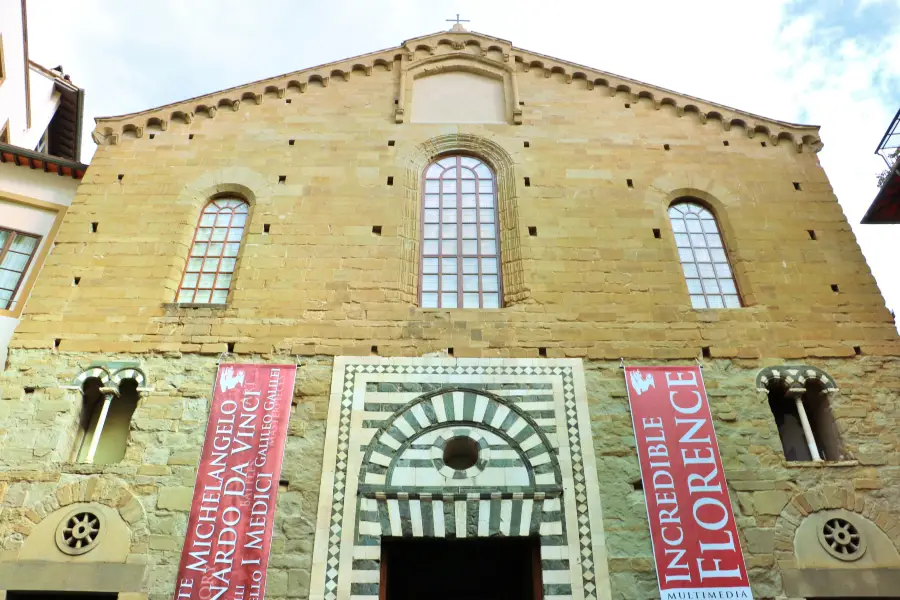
(834, 63)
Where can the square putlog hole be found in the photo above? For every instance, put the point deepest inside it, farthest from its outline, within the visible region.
(797, 186)
(835, 288)
(657, 233)
(282, 178)
(532, 231)
(376, 229)
(390, 180)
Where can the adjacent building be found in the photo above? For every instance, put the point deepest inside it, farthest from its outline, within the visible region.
(459, 243)
(886, 206)
(40, 146)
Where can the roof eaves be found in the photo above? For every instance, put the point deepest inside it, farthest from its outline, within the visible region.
(885, 208)
(56, 77)
(36, 160)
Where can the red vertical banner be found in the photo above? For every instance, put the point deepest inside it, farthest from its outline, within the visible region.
(226, 550)
(695, 540)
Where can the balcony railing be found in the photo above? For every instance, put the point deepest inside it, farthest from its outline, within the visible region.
(890, 142)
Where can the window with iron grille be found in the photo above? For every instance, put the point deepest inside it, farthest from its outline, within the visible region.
(18, 250)
(704, 260)
(214, 252)
(460, 236)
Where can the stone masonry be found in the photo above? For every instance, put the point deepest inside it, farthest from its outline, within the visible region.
(329, 267)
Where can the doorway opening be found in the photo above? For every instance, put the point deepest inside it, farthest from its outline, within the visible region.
(461, 569)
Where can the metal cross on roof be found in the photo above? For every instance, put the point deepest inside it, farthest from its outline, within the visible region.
(457, 20)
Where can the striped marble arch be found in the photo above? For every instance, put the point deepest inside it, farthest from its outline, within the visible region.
(392, 469)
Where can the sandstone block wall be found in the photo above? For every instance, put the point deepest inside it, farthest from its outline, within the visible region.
(593, 282)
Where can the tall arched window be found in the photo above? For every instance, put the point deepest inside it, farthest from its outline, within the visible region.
(460, 236)
(217, 241)
(704, 261)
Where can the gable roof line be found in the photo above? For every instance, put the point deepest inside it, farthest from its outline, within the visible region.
(673, 92)
(389, 54)
(245, 85)
(452, 32)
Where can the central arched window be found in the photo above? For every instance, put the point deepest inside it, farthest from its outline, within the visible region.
(214, 252)
(460, 236)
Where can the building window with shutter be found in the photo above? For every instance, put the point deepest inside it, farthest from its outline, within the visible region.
(460, 252)
(704, 258)
(214, 252)
(15, 258)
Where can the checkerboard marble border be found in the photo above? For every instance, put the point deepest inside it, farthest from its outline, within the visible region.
(352, 518)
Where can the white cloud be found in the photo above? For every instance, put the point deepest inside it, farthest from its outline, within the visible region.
(786, 60)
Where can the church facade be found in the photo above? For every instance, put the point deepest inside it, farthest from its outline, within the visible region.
(459, 243)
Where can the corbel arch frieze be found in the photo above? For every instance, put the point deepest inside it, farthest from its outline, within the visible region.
(105, 136)
(503, 164)
(458, 61)
(703, 111)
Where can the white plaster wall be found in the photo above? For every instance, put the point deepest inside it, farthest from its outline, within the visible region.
(12, 90)
(458, 97)
(25, 218)
(37, 185)
(44, 100)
